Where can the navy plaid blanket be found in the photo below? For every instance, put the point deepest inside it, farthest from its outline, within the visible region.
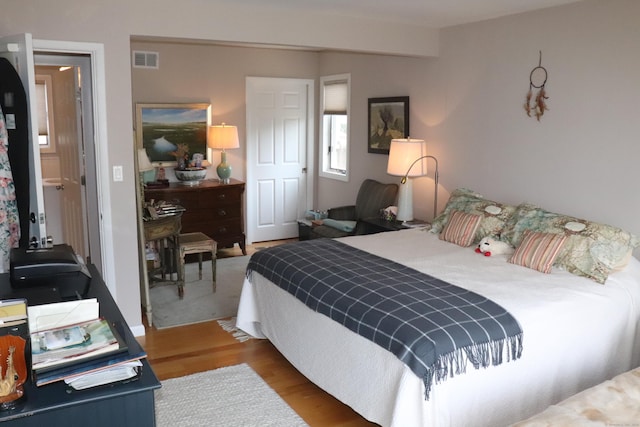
(434, 327)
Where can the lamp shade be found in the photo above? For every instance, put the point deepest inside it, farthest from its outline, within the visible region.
(144, 164)
(403, 153)
(223, 136)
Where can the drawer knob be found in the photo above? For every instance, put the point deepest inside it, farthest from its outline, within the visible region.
(222, 196)
(222, 229)
(222, 212)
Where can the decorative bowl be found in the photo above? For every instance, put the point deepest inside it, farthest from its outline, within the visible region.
(191, 176)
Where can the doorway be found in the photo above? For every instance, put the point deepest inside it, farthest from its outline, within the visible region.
(279, 155)
(67, 155)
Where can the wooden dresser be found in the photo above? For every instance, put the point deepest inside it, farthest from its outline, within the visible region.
(212, 208)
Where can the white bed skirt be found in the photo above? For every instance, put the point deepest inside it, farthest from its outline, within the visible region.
(383, 390)
(326, 352)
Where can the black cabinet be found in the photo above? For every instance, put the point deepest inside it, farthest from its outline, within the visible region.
(118, 404)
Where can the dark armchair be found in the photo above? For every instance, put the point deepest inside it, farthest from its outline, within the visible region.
(372, 197)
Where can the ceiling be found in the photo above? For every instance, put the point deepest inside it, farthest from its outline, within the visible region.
(429, 13)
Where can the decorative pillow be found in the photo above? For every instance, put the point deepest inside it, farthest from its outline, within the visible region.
(342, 225)
(494, 215)
(461, 228)
(592, 250)
(538, 250)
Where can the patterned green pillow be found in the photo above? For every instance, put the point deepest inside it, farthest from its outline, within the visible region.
(591, 250)
(494, 215)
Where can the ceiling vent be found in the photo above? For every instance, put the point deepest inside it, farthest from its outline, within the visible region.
(146, 59)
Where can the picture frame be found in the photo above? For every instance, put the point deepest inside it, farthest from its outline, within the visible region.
(161, 127)
(388, 119)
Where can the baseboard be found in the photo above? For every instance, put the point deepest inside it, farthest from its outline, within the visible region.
(137, 330)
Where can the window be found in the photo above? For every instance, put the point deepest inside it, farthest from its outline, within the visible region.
(44, 100)
(334, 157)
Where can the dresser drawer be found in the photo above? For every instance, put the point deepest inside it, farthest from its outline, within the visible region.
(206, 219)
(214, 213)
(223, 228)
(203, 198)
(226, 196)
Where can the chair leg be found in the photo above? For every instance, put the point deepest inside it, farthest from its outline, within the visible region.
(163, 259)
(200, 266)
(213, 269)
(181, 278)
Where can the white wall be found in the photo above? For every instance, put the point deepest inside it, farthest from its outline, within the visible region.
(582, 157)
(215, 74)
(373, 76)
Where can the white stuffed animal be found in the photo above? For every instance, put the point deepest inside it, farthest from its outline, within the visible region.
(490, 246)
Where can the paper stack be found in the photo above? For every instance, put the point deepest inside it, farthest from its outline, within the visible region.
(70, 342)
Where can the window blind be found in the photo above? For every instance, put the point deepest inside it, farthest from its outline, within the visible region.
(336, 97)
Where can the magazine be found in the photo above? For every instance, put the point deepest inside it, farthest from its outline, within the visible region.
(85, 367)
(63, 346)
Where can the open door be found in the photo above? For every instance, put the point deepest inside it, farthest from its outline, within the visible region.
(18, 50)
(69, 118)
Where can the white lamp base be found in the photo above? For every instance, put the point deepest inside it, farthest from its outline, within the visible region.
(405, 201)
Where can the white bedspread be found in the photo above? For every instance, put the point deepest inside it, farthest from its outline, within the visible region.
(577, 333)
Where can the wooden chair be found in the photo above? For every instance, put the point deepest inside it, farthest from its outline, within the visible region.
(196, 243)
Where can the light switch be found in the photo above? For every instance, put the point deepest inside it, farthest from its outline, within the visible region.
(117, 174)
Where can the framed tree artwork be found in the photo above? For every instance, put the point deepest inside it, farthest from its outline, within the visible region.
(162, 128)
(388, 119)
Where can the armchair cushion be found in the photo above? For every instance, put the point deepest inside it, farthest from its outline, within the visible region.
(343, 225)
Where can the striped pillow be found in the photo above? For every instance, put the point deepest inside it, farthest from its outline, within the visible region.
(461, 228)
(538, 250)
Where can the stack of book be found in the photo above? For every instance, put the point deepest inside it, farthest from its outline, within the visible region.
(161, 209)
(84, 353)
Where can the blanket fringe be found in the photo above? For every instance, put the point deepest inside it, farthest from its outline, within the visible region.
(479, 355)
(230, 327)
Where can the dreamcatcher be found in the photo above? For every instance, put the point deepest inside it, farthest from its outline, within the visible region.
(537, 80)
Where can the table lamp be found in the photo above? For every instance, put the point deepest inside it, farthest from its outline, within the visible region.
(408, 159)
(222, 137)
(145, 166)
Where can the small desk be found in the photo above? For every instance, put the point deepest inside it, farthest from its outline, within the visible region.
(304, 229)
(166, 232)
(131, 404)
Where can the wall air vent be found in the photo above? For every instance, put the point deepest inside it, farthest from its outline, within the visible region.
(146, 59)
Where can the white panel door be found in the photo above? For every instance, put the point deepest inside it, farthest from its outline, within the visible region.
(69, 142)
(279, 131)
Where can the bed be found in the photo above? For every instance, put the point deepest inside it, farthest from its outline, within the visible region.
(578, 331)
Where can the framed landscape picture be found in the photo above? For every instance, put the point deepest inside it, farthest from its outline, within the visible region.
(388, 119)
(161, 127)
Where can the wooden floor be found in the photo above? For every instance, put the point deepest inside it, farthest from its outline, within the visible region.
(184, 350)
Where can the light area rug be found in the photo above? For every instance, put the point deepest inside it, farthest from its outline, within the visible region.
(230, 396)
(200, 303)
